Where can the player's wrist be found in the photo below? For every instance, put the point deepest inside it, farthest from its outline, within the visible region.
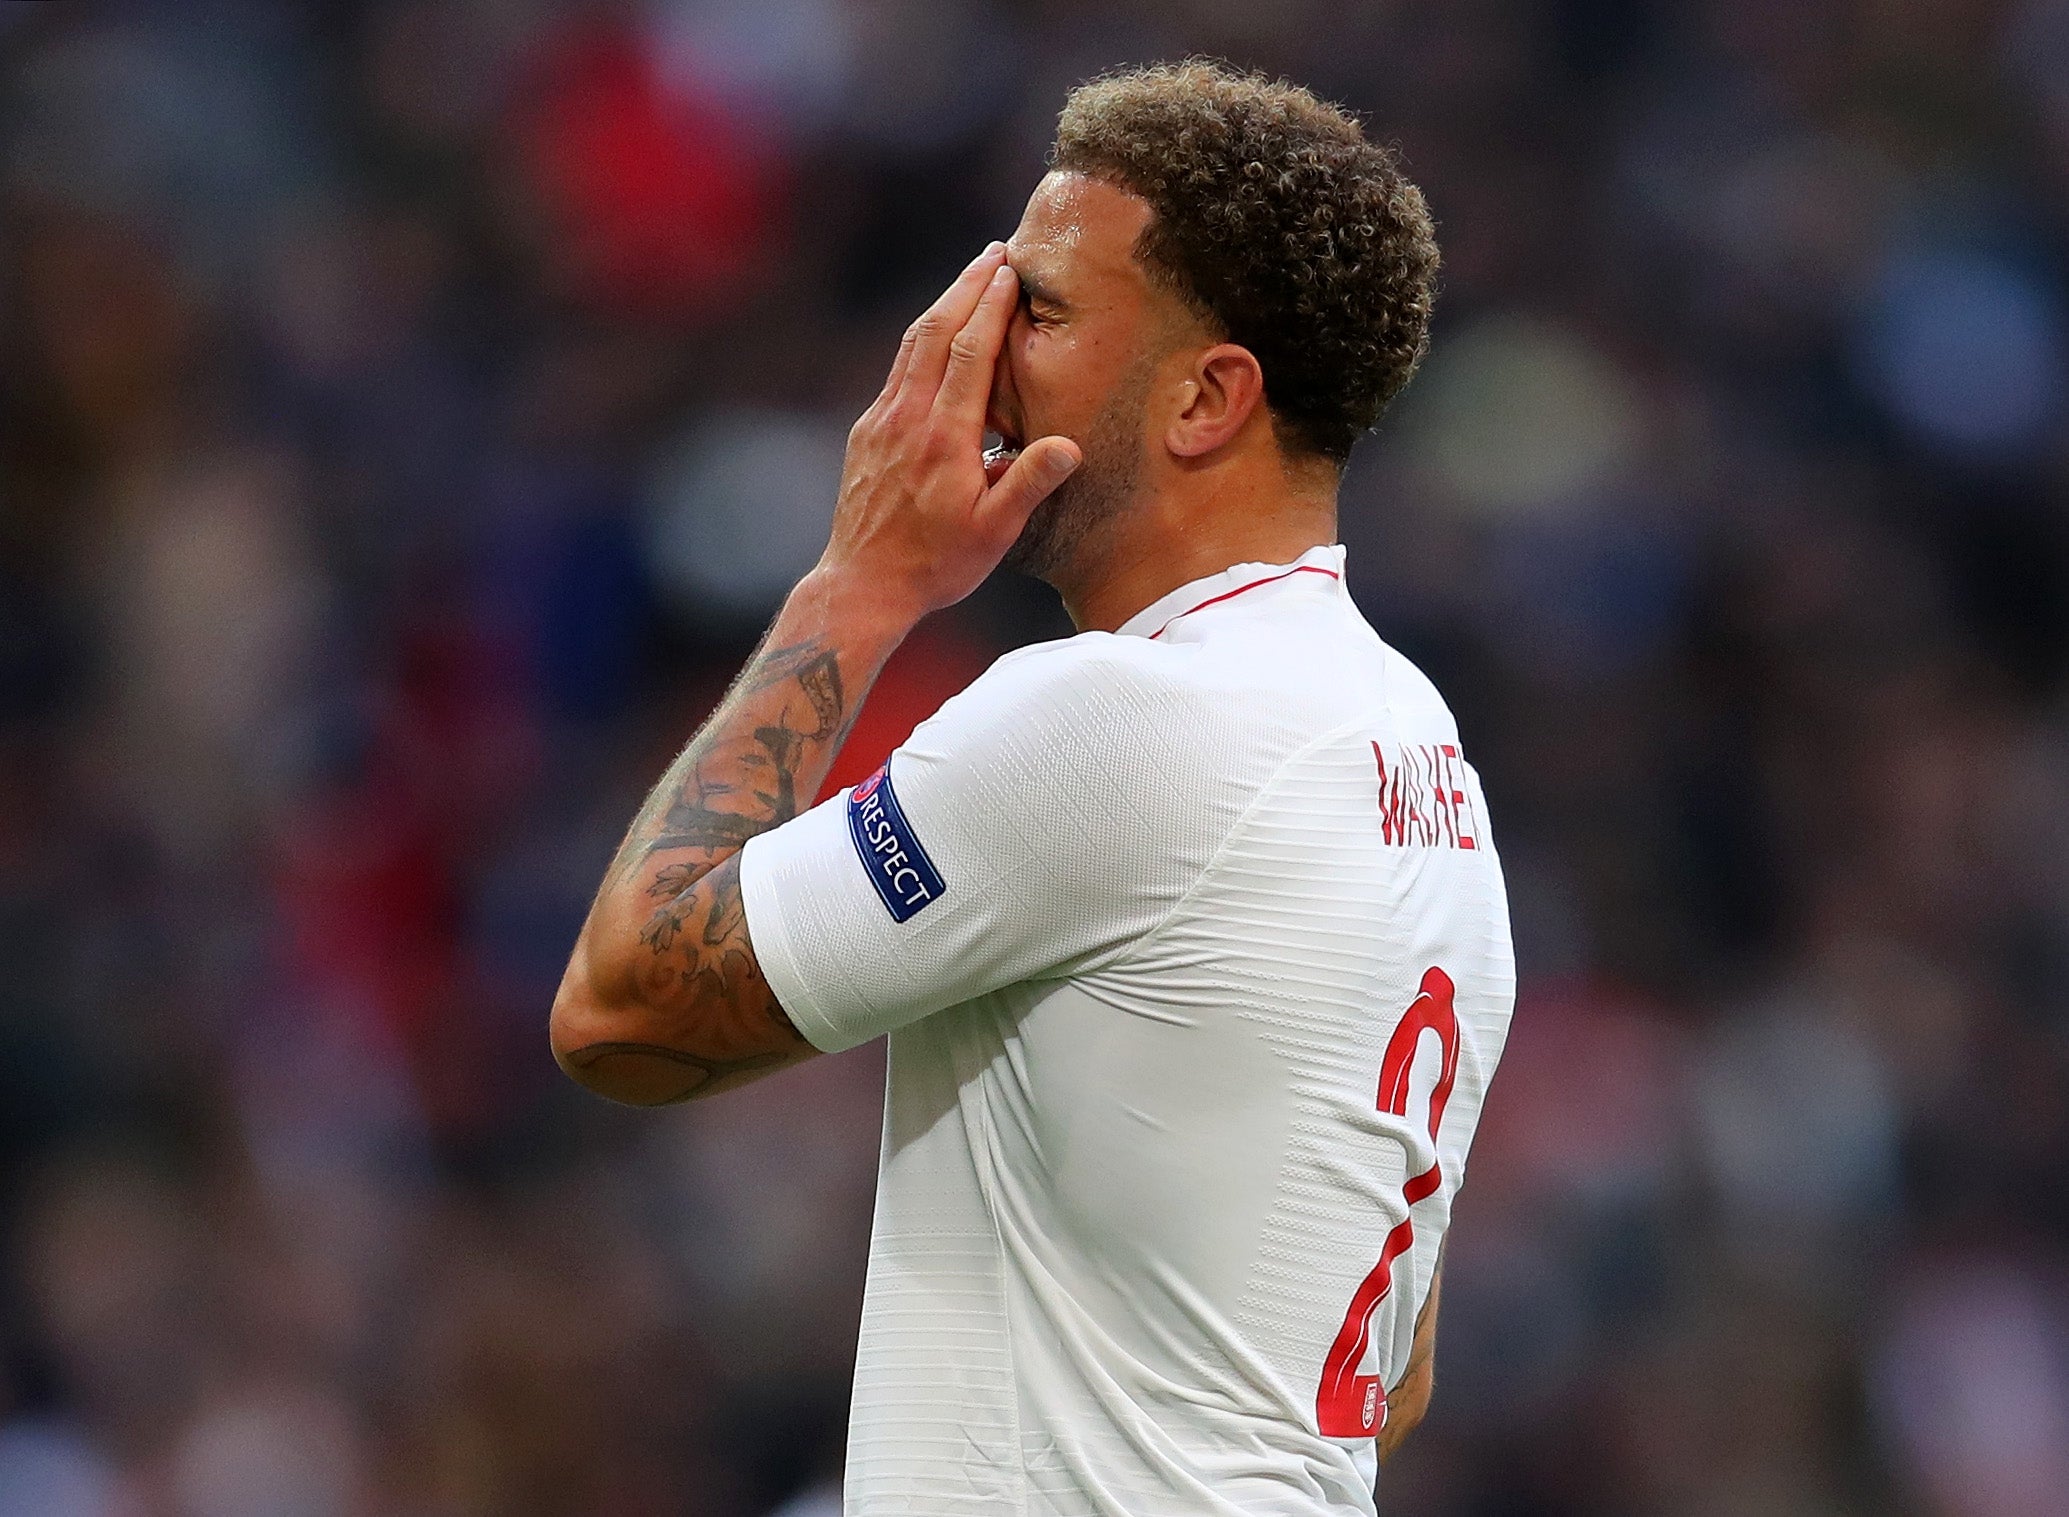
(857, 604)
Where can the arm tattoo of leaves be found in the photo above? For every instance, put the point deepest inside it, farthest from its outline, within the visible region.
(662, 929)
(742, 1029)
(673, 879)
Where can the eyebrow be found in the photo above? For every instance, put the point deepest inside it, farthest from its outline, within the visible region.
(1033, 287)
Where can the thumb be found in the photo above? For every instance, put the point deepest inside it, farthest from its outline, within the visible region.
(1033, 477)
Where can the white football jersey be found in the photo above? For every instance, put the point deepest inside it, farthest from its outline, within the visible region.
(1193, 950)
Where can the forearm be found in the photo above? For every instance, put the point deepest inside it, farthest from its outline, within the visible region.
(765, 751)
(660, 967)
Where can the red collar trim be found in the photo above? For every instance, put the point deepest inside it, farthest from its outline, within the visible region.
(1269, 579)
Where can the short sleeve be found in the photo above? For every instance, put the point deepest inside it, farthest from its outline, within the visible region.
(1039, 824)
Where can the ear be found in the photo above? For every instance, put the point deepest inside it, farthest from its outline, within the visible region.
(1224, 388)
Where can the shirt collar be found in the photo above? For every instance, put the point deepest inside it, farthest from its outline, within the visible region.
(1312, 566)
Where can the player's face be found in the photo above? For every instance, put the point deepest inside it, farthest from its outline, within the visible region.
(1080, 358)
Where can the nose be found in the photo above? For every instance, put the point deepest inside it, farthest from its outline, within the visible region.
(1000, 406)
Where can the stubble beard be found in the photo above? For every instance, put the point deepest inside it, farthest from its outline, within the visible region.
(1099, 490)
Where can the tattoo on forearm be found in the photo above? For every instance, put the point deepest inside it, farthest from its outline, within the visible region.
(754, 766)
(720, 793)
(821, 681)
(673, 879)
(692, 821)
(706, 967)
(726, 915)
(662, 929)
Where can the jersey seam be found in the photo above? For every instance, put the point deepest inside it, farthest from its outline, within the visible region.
(991, 1208)
(1142, 944)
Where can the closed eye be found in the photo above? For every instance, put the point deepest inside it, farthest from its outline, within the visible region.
(1037, 303)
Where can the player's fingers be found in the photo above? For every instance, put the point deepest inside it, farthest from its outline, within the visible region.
(973, 355)
(1033, 477)
(901, 362)
(937, 326)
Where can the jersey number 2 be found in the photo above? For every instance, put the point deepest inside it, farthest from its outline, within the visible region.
(1350, 1404)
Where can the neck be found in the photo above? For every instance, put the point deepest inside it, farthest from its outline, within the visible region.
(1190, 527)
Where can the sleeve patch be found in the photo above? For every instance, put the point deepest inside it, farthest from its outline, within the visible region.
(891, 856)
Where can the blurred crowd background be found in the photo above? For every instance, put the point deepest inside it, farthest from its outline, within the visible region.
(411, 409)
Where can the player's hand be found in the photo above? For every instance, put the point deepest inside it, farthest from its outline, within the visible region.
(919, 521)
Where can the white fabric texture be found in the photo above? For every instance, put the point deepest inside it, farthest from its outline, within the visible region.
(1135, 1171)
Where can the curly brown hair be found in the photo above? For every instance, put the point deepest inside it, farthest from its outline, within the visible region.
(1279, 224)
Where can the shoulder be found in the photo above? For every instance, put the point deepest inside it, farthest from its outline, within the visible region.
(1414, 708)
(1088, 662)
(1094, 683)
(1134, 738)
(1125, 706)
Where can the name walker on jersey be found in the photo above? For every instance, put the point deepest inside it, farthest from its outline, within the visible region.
(1423, 799)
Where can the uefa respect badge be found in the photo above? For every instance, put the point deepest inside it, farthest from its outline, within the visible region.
(905, 878)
